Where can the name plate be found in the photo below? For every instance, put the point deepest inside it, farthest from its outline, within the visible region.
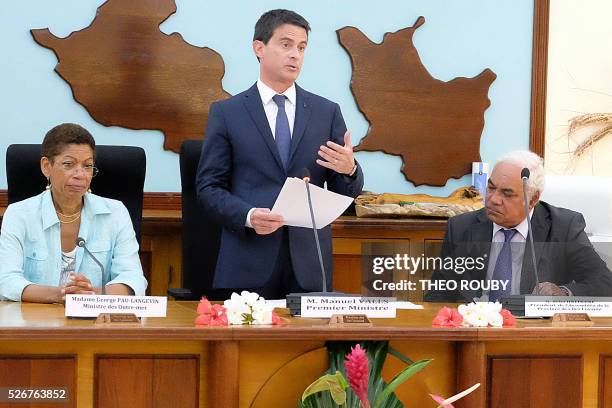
(326, 306)
(542, 306)
(359, 320)
(94, 305)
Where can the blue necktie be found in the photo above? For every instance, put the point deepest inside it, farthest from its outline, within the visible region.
(503, 267)
(282, 133)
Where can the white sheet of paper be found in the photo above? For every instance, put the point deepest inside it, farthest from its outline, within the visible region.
(292, 204)
(405, 305)
(282, 303)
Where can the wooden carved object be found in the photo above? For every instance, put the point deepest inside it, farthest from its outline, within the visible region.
(435, 126)
(128, 73)
(463, 199)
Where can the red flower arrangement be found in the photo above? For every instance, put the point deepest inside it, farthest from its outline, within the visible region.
(211, 315)
(476, 314)
(447, 317)
(216, 315)
(509, 319)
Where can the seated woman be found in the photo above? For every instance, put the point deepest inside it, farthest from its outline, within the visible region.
(40, 261)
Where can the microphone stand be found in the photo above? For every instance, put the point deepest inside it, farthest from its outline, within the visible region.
(516, 303)
(316, 234)
(113, 317)
(529, 231)
(80, 242)
(294, 300)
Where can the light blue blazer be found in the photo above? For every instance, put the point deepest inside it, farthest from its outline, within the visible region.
(30, 245)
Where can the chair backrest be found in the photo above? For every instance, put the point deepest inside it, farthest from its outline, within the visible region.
(121, 176)
(590, 195)
(201, 234)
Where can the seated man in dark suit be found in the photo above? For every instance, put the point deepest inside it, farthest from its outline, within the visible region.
(495, 238)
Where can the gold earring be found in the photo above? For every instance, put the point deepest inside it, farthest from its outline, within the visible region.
(48, 187)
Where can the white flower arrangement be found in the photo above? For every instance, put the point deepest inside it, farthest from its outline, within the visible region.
(248, 308)
(482, 314)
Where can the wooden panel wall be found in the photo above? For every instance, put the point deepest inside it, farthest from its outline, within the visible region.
(605, 381)
(146, 381)
(348, 247)
(40, 371)
(535, 381)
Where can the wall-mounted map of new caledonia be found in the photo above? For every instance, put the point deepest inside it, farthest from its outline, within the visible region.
(128, 73)
(434, 126)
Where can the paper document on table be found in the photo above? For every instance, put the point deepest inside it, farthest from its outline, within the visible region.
(407, 305)
(292, 204)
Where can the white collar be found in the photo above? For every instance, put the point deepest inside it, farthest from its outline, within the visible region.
(266, 93)
(521, 228)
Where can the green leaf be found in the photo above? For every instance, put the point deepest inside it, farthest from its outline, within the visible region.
(336, 384)
(400, 356)
(400, 378)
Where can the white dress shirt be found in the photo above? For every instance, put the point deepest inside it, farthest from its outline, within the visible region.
(517, 249)
(266, 93)
(271, 108)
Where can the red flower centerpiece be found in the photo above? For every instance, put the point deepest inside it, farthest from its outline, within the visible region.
(447, 317)
(210, 315)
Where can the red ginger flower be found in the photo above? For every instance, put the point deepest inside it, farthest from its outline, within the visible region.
(448, 317)
(356, 365)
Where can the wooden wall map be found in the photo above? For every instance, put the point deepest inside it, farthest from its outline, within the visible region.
(435, 126)
(127, 73)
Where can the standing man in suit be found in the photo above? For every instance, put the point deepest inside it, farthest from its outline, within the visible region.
(254, 141)
(567, 263)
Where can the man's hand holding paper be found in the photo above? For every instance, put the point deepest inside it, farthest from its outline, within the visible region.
(265, 222)
(292, 204)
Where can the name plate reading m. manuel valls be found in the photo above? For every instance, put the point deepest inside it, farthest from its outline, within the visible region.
(326, 306)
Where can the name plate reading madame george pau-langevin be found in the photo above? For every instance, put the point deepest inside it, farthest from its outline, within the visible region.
(326, 306)
(94, 305)
(547, 306)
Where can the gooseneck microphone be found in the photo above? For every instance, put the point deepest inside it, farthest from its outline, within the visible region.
(516, 303)
(525, 176)
(294, 300)
(306, 178)
(80, 242)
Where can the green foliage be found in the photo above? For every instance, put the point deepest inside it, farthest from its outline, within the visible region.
(399, 380)
(378, 390)
(335, 384)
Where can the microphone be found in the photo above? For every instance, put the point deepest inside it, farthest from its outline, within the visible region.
(525, 176)
(306, 178)
(80, 242)
(294, 300)
(516, 303)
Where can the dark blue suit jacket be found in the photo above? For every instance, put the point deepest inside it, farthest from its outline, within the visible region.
(240, 168)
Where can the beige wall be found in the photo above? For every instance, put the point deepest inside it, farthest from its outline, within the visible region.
(579, 81)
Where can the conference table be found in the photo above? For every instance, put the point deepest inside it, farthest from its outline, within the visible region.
(171, 362)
